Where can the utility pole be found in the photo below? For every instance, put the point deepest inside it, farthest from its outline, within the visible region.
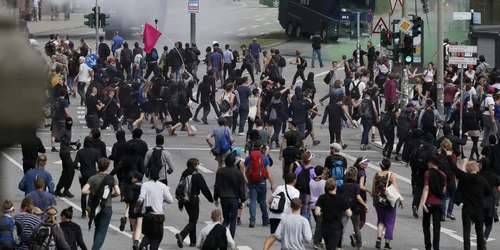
(405, 78)
(440, 54)
(97, 10)
(193, 28)
(358, 45)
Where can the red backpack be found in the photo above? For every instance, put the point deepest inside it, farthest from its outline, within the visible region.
(256, 171)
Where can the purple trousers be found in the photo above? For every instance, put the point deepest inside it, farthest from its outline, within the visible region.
(387, 216)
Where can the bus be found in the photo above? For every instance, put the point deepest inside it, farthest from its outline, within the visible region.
(128, 16)
(334, 19)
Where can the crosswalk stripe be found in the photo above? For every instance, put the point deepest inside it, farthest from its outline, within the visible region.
(175, 231)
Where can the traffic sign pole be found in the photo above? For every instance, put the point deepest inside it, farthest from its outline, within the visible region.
(193, 8)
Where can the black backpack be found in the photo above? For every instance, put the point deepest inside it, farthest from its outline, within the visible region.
(84, 50)
(445, 167)
(174, 99)
(49, 49)
(303, 180)
(44, 237)
(155, 161)
(428, 119)
(216, 239)
(281, 61)
(278, 203)
(424, 153)
(352, 66)
(415, 150)
(350, 194)
(303, 62)
(224, 106)
(385, 121)
(366, 109)
(55, 109)
(183, 190)
(355, 94)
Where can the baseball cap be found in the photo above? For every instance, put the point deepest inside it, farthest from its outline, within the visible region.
(365, 161)
(237, 151)
(433, 159)
(410, 105)
(336, 146)
(491, 90)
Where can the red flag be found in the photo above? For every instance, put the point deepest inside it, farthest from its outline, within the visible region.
(151, 36)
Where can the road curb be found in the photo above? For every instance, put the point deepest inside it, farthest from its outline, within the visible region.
(276, 44)
(48, 32)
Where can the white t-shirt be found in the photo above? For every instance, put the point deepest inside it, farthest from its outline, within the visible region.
(361, 87)
(486, 104)
(85, 74)
(428, 75)
(292, 192)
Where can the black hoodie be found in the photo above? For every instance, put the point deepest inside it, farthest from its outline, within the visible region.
(133, 161)
(73, 235)
(100, 146)
(455, 140)
(64, 136)
(119, 150)
(88, 157)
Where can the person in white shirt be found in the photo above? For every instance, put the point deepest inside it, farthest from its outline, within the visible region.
(294, 229)
(84, 76)
(216, 220)
(290, 193)
(316, 189)
(153, 193)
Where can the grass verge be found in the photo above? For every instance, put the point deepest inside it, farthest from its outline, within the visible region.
(265, 39)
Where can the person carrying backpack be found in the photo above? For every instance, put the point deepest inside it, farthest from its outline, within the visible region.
(48, 235)
(9, 232)
(186, 193)
(215, 236)
(258, 171)
(223, 140)
(369, 115)
(305, 173)
(72, 231)
(352, 192)
(428, 117)
(301, 67)
(159, 158)
(102, 187)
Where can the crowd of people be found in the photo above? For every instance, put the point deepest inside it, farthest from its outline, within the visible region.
(119, 93)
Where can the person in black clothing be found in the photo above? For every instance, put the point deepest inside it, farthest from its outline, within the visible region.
(72, 231)
(410, 155)
(389, 121)
(490, 202)
(94, 105)
(68, 172)
(198, 185)
(403, 131)
(230, 188)
(316, 45)
(30, 149)
(205, 92)
(300, 68)
(281, 117)
(104, 51)
(308, 85)
(183, 110)
(371, 58)
(152, 62)
(136, 139)
(189, 60)
(455, 140)
(110, 111)
(299, 110)
(335, 155)
(334, 113)
(85, 161)
(126, 59)
(472, 189)
(248, 61)
(99, 145)
(177, 55)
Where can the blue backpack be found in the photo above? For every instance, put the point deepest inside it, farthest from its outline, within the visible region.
(141, 98)
(224, 143)
(7, 232)
(338, 171)
(154, 55)
(142, 63)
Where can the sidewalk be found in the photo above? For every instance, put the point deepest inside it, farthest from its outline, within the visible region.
(46, 26)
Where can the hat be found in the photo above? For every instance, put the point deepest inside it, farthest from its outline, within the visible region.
(336, 146)
(429, 102)
(491, 90)
(37, 211)
(410, 105)
(433, 159)
(111, 60)
(237, 151)
(365, 161)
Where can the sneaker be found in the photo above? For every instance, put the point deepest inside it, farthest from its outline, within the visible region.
(450, 216)
(196, 120)
(68, 194)
(265, 223)
(353, 240)
(123, 221)
(242, 134)
(378, 243)
(387, 247)
(362, 245)
(316, 142)
(58, 193)
(54, 150)
(251, 225)
(396, 158)
(415, 211)
(192, 244)
(443, 218)
(84, 215)
(344, 146)
(238, 221)
(179, 240)
(316, 246)
(135, 246)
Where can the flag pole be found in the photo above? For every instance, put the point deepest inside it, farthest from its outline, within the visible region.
(156, 26)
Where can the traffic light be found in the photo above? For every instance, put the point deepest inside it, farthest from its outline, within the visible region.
(417, 26)
(90, 20)
(104, 20)
(98, 10)
(385, 38)
(408, 50)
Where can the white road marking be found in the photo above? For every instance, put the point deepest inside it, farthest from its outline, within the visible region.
(242, 29)
(256, 16)
(81, 107)
(204, 169)
(267, 23)
(175, 231)
(277, 21)
(255, 26)
(242, 34)
(58, 162)
(81, 117)
(226, 32)
(269, 13)
(264, 33)
(193, 128)
(66, 200)
(80, 112)
(328, 46)
(260, 19)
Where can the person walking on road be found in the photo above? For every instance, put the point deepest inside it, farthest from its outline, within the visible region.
(230, 188)
(293, 228)
(316, 46)
(40, 197)
(221, 133)
(153, 194)
(301, 67)
(30, 149)
(197, 184)
(68, 171)
(159, 158)
(225, 237)
(27, 183)
(85, 161)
